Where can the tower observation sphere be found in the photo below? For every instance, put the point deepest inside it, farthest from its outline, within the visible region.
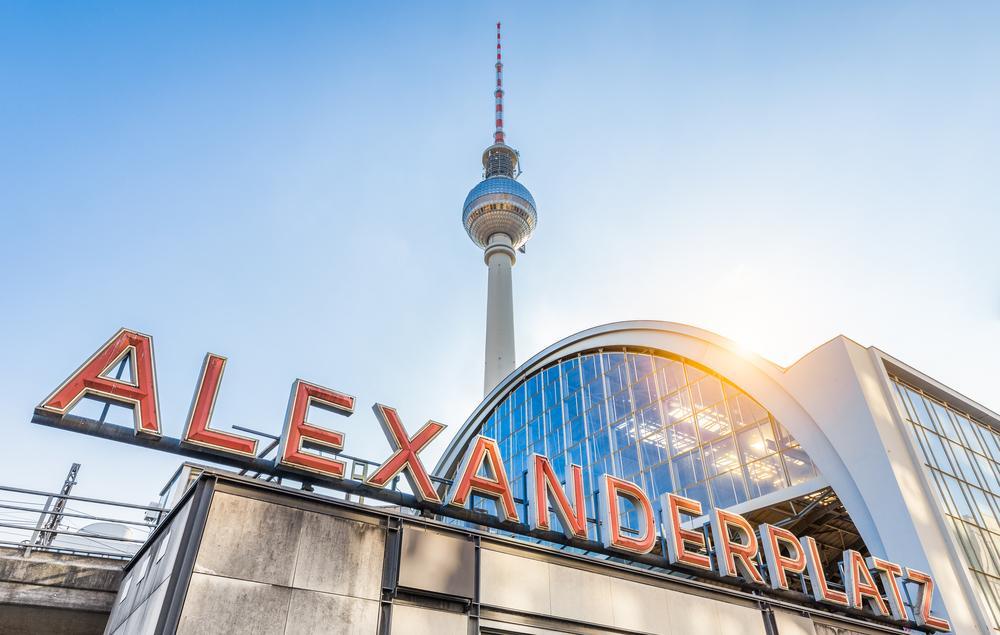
(500, 216)
(499, 205)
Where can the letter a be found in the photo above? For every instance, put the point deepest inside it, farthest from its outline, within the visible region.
(91, 379)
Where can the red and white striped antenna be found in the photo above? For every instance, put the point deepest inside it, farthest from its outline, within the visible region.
(498, 134)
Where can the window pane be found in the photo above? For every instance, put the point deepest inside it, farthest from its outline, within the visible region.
(653, 449)
(689, 469)
(785, 439)
(905, 400)
(721, 456)
(600, 444)
(693, 374)
(986, 511)
(752, 444)
(989, 474)
(966, 469)
(681, 437)
(676, 407)
(595, 418)
(622, 434)
(553, 394)
(590, 367)
(571, 376)
(621, 405)
(713, 422)
(962, 507)
(593, 393)
(534, 384)
(749, 410)
(706, 392)
(577, 430)
(765, 476)
(991, 440)
(644, 392)
(648, 419)
(800, 468)
(642, 365)
(661, 479)
(969, 431)
(699, 493)
(555, 443)
(923, 416)
(617, 378)
(670, 375)
(728, 489)
(936, 446)
(573, 405)
(628, 464)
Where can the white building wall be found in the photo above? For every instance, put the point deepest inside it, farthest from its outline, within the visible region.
(845, 389)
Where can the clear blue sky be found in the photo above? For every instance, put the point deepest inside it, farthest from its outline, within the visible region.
(282, 183)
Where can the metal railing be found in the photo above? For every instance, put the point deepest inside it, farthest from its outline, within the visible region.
(35, 520)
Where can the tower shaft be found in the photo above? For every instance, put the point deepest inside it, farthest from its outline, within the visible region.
(499, 259)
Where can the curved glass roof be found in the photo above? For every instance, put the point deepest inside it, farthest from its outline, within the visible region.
(657, 420)
(497, 185)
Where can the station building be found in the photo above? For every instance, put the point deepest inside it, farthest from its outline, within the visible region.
(849, 445)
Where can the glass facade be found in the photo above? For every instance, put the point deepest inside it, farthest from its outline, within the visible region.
(653, 419)
(962, 457)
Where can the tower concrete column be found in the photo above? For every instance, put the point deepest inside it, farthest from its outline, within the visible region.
(499, 257)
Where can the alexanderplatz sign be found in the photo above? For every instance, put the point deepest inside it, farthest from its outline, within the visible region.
(730, 550)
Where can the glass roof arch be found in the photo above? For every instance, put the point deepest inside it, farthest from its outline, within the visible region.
(772, 453)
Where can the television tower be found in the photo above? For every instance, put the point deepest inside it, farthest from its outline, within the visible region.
(499, 216)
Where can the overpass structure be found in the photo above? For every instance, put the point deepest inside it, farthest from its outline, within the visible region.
(56, 593)
(62, 557)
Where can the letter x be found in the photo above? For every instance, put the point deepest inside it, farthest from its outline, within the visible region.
(405, 456)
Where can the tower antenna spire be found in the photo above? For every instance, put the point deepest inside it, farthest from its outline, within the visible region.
(498, 133)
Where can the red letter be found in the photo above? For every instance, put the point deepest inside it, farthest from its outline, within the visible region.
(542, 481)
(494, 485)
(297, 430)
(925, 595)
(889, 572)
(860, 585)
(90, 379)
(405, 456)
(820, 588)
(678, 538)
(610, 489)
(735, 558)
(197, 432)
(778, 566)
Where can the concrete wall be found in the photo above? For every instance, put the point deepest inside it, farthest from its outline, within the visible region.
(56, 594)
(141, 599)
(306, 572)
(254, 558)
